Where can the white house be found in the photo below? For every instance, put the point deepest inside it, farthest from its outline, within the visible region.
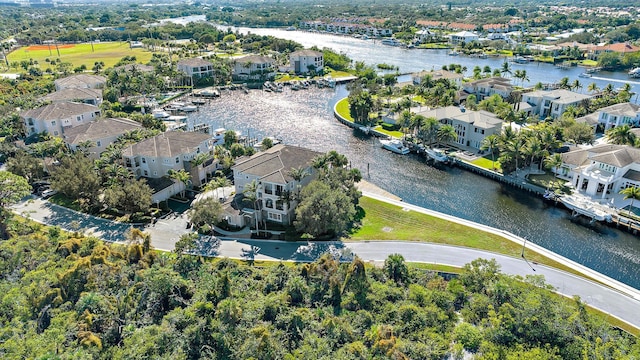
(463, 37)
(603, 169)
(271, 170)
(196, 67)
(86, 81)
(484, 88)
(83, 95)
(57, 117)
(253, 67)
(472, 127)
(101, 133)
(452, 76)
(552, 103)
(304, 61)
(614, 115)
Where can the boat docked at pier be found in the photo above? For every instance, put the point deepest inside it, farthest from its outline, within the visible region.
(581, 205)
(437, 155)
(395, 145)
(635, 73)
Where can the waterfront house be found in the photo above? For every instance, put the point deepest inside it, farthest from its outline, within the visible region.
(463, 37)
(173, 150)
(271, 170)
(424, 35)
(552, 103)
(253, 67)
(86, 81)
(470, 126)
(99, 133)
(436, 75)
(602, 170)
(55, 118)
(196, 67)
(484, 88)
(80, 95)
(304, 61)
(614, 115)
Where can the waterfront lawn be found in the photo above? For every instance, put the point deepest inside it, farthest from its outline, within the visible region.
(81, 54)
(392, 133)
(546, 59)
(342, 108)
(542, 180)
(588, 62)
(383, 221)
(485, 162)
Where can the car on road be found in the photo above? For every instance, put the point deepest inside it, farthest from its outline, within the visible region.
(48, 193)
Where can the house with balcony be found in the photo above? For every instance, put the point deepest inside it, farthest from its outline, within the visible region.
(196, 67)
(99, 134)
(304, 61)
(463, 37)
(56, 118)
(80, 95)
(85, 81)
(271, 170)
(472, 127)
(484, 88)
(552, 103)
(436, 75)
(173, 150)
(602, 170)
(615, 115)
(254, 67)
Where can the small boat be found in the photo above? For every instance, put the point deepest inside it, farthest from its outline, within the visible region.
(585, 75)
(160, 114)
(635, 73)
(520, 60)
(395, 146)
(365, 129)
(198, 101)
(290, 28)
(437, 155)
(391, 42)
(581, 205)
(189, 108)
(454, 53)
(295, 86)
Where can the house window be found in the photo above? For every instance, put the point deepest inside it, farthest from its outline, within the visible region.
(55, 133)
(53, 123)
(78, 118)
(146, 173)
(98, 143)
(155, 173)
(177, 160)
(482, 132)
(273, 216)
(144, 161)
(268, 188)
(269, 203)
(279, 205)
(278, 190)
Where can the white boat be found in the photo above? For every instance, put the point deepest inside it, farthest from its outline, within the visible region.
(584, 75)
(290, 28)
(365, 129)
(454, 53)
(395, 146)
(436, 154)
(160, 114)
(189, 108)
(584, 206)
(391, 42)
(635, 72)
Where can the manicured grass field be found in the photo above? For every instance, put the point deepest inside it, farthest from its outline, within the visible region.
(81, 54)
(485, 162)
(342, 108)
(395, 134)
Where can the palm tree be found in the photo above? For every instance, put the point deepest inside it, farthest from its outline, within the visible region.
(298, 174)
(491, 143)
(534, 149)
(608, 89)
(514, 148)
(181, 176)
(446, 133)
(505, 69)
(564, 83)
(554, 162)
(405, 121)
(576, 85)
(621, 135)
(593, 87)
(250, 193)
(632, 193)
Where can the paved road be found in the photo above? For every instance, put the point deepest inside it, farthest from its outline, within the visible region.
(622, 305)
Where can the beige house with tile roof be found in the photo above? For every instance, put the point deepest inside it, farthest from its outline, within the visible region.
(101, 133)
(614, 115)
(552, 103)
(452, 76)
(81, 95)
(271, 170)
(484, 88)
(253, 67)
(196, 67)
(302, 61)
(603, 169)
(56, 118)
(86, 81)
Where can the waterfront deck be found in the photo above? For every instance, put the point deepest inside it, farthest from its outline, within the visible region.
(368, 187)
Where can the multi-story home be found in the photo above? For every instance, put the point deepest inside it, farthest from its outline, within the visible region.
(253, 67)
(304, 61)
(82, 95)
(173, 150)
(271, 169)
(602, 170)
(99, 134)
(484, 88)
(86, 81)
(463, 37)
(454, 77)
(55, 118)
(196, 67)
(472, 127)
(614, 115)
(552, 103)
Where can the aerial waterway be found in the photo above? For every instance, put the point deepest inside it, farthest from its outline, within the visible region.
(305, 118)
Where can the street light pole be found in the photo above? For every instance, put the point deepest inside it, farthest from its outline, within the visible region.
(522, 254)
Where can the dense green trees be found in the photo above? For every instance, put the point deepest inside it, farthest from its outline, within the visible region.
(12, 189)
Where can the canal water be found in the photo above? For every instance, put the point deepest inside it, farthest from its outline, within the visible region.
(305, 118)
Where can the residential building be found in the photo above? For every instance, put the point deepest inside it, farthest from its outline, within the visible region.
(304, 61)
(602, 170)
(552, 103)
(472, 127)
(196, 67)
(80, 95)
(614, 115)
(99, 133)
(484, 88)
(271, 170)
(135, 68)
(86, 81)
(454, 77)
(254, 67)
(463, 37)
(55, 118)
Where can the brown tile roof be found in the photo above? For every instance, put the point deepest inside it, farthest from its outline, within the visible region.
(71, 94)
(99, 129)
(59, 110)
(167, 144)
(619, 47)
(274, 164)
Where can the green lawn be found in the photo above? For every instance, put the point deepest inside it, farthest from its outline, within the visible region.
(588, 63)
(487, 163)
(542, 180)
(342, 108)
(81, 54)
(395, 134)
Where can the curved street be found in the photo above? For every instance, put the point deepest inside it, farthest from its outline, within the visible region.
(619, 300)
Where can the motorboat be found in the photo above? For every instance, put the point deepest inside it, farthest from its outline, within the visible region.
(437, 155)
(391, 42)
(581, 205)
(395, 146)
(585, 75)
(635, 72)
(160, 114)
(454, 53)
(189, 108)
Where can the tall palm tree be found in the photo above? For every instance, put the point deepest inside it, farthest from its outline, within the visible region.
(564, 83)
(534, 149)
(621, 135)
(554, 162)
(577, 85)
(250, 193)
(632, 193)
(515, 148)
(593, 87)
(491, 143)
(446, 133)
(505, 69)
(298, 174)
(181, 176)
